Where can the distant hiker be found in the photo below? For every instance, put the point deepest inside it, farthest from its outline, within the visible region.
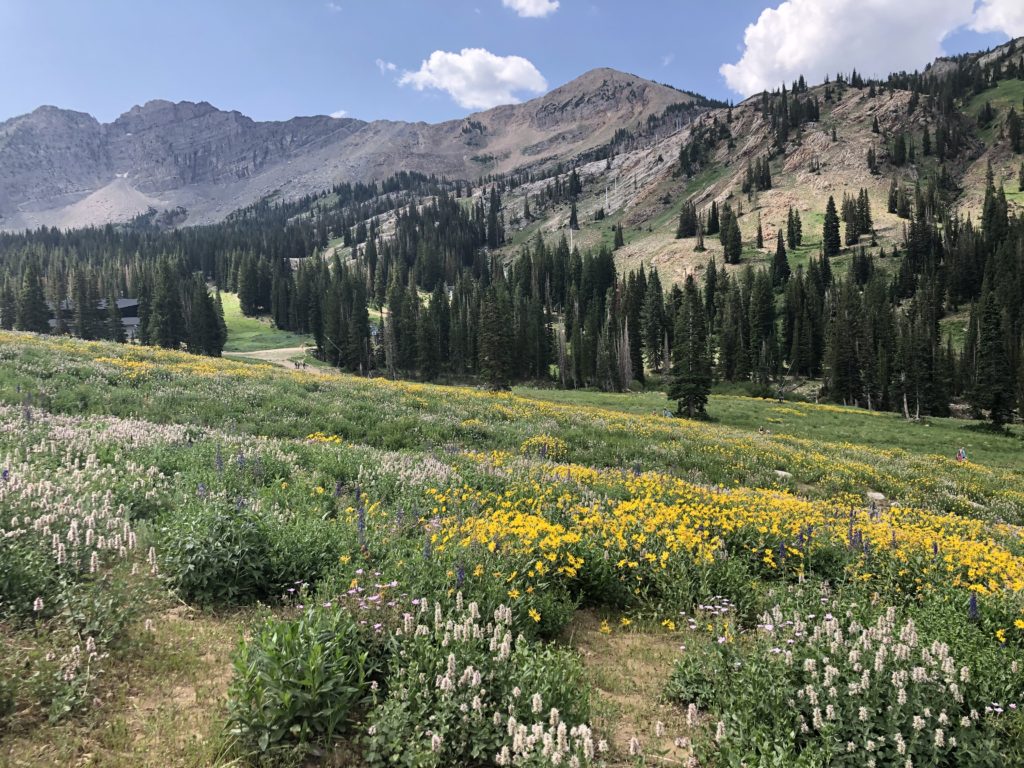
(961, 456)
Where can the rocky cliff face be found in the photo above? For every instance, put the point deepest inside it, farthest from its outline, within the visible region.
(64, 168)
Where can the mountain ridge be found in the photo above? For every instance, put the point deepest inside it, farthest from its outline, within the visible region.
(65, 168)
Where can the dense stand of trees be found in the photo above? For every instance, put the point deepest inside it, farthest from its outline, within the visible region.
(428, 300)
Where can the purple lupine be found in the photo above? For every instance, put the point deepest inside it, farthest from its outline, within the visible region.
(218, 461)
(201, 490)
(361, 525)
(5, 475)
(972, 607)
(460, 575)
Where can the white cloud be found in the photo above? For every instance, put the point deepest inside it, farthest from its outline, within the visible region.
(333, 7)
(1000, 16)
(385, 66)
(339, 113)
(818, 37)
(532, 9)
(476, 78)
(667, 59)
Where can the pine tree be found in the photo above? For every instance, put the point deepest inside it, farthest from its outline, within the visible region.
(574, 222)
(8, 305)
(780, 265)
(760, 234)
(699, 245)
(166, 327)
(494, 337)
(691, 361)
(1013, 130)
(713, 223)
(248, 285)
(114, 330)
(653, 321)
(687, 221)
(830, 230)
(31, 313)
(619, 239)
(993, 390)
(732, 239)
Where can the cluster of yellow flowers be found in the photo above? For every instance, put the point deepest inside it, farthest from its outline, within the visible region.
(563, 515)
(320, 437)
(545, 446)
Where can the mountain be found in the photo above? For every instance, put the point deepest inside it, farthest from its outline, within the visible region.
(64, 168)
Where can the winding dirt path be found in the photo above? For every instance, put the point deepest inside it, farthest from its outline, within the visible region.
(282, 357)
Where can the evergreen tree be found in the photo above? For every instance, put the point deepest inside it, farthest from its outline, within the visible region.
(574, 222)
(8, 305)
(204, 334)
(619, 239)
(166, 327)
(713, 223)
(248, 286)
(31, 313)
(687, 221)
(780, 265)
(653, 321)
(114, 330)
(691, 361)
(830, 229)
(494, 337)
(732, 240)
(993, 390)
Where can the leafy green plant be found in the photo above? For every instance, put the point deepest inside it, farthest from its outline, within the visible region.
(300, 683)
(212, 553)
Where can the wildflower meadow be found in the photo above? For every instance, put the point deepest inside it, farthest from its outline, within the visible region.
(407, 575)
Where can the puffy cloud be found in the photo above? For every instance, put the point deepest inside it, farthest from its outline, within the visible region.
(819, 37)
(667, 59)
(476, 78)
(1000, 16)
(385, 66)
(339, 113)
(532, 9)
(334, 7)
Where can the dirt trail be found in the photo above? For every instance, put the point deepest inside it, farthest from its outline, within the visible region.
(283, 357)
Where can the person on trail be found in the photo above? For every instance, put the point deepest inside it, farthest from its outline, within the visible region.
(961, 456)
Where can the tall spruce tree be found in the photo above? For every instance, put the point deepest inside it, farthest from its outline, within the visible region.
(830, 242)
(32, 314)
(691, 361)
(780, 264)
(993, 389)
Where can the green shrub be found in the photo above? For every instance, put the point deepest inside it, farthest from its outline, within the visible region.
(300, 683)
(214, 553)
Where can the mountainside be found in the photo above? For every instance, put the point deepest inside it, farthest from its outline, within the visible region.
(64, 168)
(642, 188)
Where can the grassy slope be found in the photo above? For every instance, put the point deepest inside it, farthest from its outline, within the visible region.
(828, 423)
(247, 334)
(167, 705)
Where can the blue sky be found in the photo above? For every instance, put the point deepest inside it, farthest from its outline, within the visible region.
(439, 59)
